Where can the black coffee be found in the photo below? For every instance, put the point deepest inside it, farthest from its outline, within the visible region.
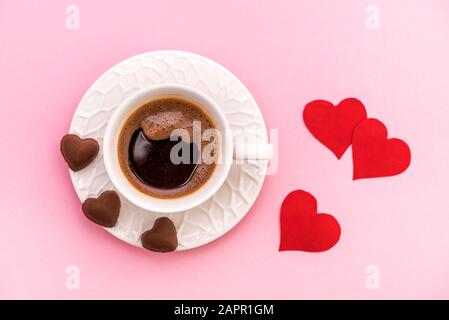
(150, 162)
(144, 148)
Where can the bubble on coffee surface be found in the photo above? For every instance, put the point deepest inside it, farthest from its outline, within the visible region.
(159, 126)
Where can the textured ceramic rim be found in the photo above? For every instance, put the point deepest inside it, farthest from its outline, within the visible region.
(117, 233)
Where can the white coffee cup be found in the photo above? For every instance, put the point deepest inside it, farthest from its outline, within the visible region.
(230, 149)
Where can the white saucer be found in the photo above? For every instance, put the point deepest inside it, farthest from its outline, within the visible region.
(223, 211)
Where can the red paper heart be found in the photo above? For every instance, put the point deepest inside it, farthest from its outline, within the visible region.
(374, 155)
(302, 228)
(333, 125)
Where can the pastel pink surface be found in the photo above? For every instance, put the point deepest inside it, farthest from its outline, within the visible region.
(288, 53)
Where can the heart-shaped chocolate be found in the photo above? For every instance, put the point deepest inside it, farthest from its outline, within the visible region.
(103, 210)
(162, 237)
(77, 152)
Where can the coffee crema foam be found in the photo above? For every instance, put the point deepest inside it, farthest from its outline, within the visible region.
(145, 140)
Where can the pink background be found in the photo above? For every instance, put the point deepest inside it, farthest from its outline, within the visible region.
(287, 53)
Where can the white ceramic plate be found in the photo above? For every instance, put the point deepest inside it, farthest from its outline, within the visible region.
(223, 211)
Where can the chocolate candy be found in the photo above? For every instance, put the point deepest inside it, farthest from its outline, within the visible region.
(77, 152)
(104, 210)
(162, 237)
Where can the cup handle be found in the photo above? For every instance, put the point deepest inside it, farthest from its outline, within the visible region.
(253, 151)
